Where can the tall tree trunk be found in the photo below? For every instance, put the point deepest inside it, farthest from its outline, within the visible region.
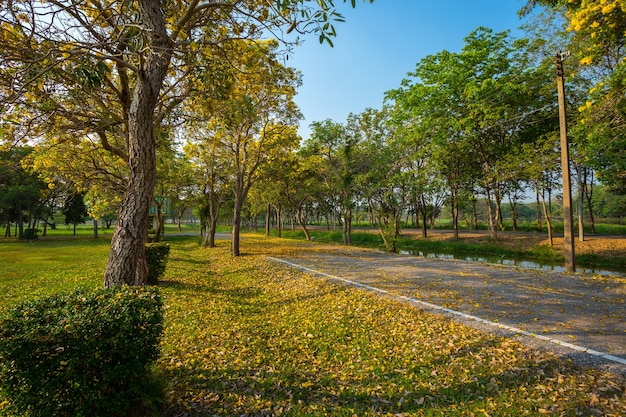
(493, 228)
(242, 186)
(499, 221)
(422, 215)
(205, 232)
(127, 260)
(279, 221)
(45, 225)
(388, 240)
(159, 219)
(212, 230)
(397, 224)
(95, 229)
(236, 225)
(20, 221)
(592, 220)
(588, 187)
(215, 202)
(539, 225)
(349, 226)
(455, 213)
(302, 223)
(513, 205)
(370, 214)
(268, 217)
(547, 211)
(416, 212)
(202, 214)
(346, 229)
(474, 213)
(433, 215)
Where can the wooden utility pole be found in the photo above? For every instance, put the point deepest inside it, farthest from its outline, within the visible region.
(568, 226)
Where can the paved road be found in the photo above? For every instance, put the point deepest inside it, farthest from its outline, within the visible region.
(585, 314)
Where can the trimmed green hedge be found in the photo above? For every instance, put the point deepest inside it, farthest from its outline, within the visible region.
(82, 353)
(156, 257)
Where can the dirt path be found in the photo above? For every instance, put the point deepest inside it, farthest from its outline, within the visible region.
(584, 313)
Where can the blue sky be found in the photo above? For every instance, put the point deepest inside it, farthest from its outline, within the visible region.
(379, 44)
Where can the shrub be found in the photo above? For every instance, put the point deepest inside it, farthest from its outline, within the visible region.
(156, 258)
(30, 234)
(81, 353)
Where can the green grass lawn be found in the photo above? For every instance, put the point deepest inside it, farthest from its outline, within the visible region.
(31, 268)
(249, 337)
(86, 230)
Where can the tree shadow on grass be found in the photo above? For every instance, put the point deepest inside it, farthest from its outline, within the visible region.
(188, 261)
(280, 378)
(269, 392)
(180, 286)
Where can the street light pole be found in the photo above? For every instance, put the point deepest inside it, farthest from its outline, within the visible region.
(568, 226)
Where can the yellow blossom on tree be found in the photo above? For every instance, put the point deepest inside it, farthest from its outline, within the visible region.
(586, 60)
(599, 28)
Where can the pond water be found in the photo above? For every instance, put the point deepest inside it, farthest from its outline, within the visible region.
(521, 263)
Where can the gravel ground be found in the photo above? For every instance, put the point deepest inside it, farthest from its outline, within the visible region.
(580, 311)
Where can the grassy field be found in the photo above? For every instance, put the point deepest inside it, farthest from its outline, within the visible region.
(86, 230)
(248, 337)
(32, 268)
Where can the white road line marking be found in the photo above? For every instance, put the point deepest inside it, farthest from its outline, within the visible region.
(456, 313)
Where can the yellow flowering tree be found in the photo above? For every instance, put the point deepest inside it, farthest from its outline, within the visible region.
(251, 123)
(115, 70)
(599, 28)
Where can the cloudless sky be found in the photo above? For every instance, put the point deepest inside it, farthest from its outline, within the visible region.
(379, 44)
